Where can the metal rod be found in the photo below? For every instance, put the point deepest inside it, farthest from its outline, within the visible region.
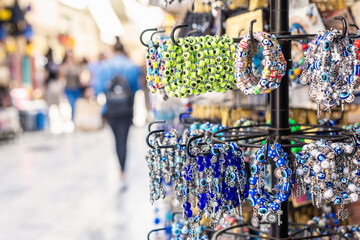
(142, 33)
(173, 33)
(279, 101)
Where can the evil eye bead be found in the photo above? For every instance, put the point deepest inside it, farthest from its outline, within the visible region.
(263, 210)
(203, 182)
(252, 201)
(344, 195)
(254, 169)
(326, 45)
(285, 173)
(344, 95)
(324, 76)
(321, 175)
(232, 176)
(260, 157)
(263, 82)
(320, 157)
(337, 200)
(176, 231)
(265, 42)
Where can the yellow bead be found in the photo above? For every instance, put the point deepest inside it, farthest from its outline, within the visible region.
(297, 71)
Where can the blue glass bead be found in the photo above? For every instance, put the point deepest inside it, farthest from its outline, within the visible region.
(358, 172)
(321, 175)
(186, 191)
(338, 150)
(232, 176)
(329, 184)
(271, 153)
(197, 218)
(344, 95)
(176, 231)
(286, 187)
(275, 206)
(252, 201)
(260, 201)
(280, 162)
(201, 167)
(203, 182)
(260, 157)
(188, 213)
(253, 180)
(186, 205)
(157, 220)
(337, 200)
(283, 197)
(285, 173)
(343, 180)
(263, 210)
(185, 231)
(201, 205)
(255, 169)
(163, 158)
(344, 195)
(321, 157)
(252, 191)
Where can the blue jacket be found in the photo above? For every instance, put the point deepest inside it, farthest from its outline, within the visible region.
(117, 65)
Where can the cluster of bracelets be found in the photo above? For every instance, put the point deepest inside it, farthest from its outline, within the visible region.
(331, 68)
(274, 64)
(196, 65)
(330, 172)
(193, 66)
(180, 230)
(215, 177)
(155, 65)
(265, 205)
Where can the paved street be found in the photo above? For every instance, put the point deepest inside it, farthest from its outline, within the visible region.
(66, 187)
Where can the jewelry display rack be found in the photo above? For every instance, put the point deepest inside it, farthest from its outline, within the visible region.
(279, 128)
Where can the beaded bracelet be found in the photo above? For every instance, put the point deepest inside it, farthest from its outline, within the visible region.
(274, 64)
(262, 202)
(329, 173)
(331, 68)
(199, 65)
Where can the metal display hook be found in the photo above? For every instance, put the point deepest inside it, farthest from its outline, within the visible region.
(155, 122)
(158, 31)
(173, 32)
(142, 33)
(188, 144)
(251, 29)
(193, 31)
(344, 23)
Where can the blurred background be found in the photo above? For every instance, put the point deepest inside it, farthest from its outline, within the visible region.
(59, 173)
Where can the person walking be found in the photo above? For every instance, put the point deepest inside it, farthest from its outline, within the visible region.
(70, 70)
(118, 80)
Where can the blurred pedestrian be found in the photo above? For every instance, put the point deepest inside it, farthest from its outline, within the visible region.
(118, 80)
(71, 72)
(53, 88)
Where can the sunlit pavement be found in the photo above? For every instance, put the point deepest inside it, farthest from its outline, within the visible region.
(65, 187)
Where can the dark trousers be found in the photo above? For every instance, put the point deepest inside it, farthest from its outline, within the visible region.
(120, 127)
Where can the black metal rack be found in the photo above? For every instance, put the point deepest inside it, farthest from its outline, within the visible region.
(279, 128)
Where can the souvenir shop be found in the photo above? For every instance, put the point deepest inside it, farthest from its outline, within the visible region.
(265, 143)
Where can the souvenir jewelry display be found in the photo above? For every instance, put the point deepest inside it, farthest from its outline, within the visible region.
(199, 65)
(264, 205)
(215, 178)
(180, 230)
(274, 64)
(330, 173)
(331, 68)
